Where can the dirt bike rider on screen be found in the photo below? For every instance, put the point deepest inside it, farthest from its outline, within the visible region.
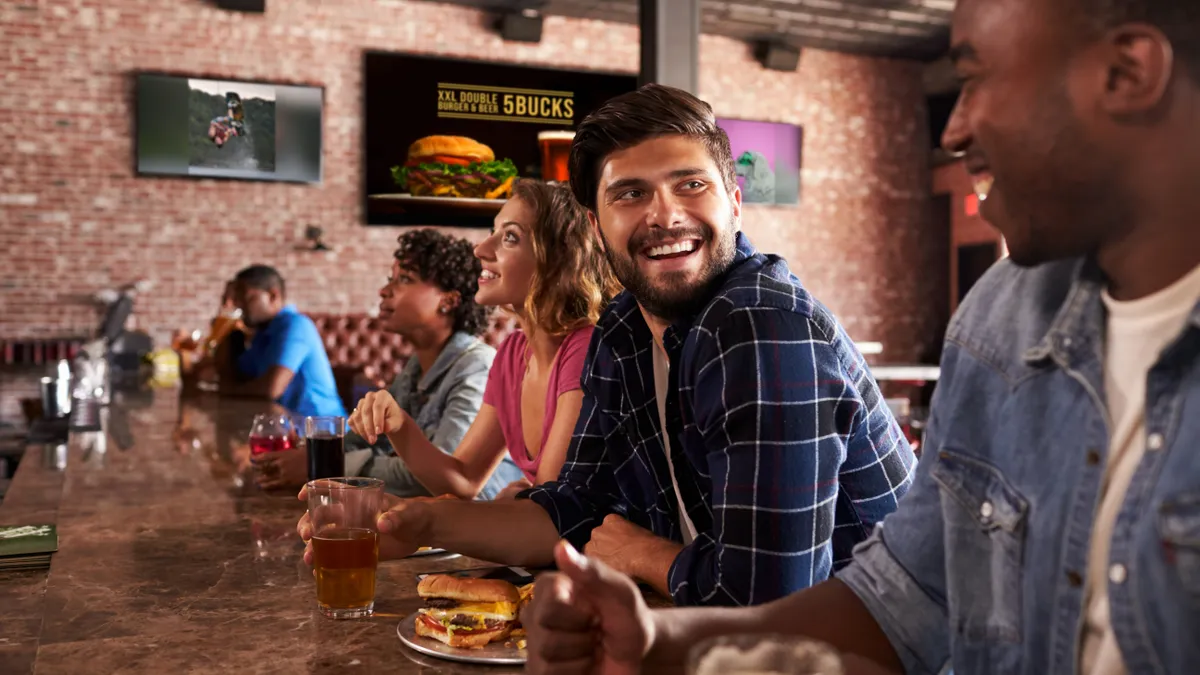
(231, 124)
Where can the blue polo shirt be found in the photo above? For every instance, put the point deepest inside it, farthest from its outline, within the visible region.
(291, 340)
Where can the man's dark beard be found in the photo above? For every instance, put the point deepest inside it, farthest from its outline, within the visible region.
(677, 300)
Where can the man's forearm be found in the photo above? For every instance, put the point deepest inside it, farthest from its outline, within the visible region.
(829, 612)
(515, 532)
(653, 564)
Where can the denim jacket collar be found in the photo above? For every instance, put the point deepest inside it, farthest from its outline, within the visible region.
(1080, 322)
(458, 344)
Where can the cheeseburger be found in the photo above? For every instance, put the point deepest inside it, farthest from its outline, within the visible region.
(466, 612)
(454, 166)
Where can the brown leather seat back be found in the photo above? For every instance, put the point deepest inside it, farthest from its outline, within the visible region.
(358, 348)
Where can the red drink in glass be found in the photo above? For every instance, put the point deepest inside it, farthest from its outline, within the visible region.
(263, 444)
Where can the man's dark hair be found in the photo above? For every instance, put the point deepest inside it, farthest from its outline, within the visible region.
(629, 119)
(262, 277)
(1179, 20)
(450, 264)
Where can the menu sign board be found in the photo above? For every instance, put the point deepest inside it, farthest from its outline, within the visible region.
(517, 120)
(503, 104)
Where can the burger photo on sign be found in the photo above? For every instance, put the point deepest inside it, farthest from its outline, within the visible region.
(466, 613)
(454, 166)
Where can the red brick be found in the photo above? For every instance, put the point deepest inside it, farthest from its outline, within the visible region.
(860, 239)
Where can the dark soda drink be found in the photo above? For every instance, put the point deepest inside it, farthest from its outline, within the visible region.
(326, 457)
(344, 560)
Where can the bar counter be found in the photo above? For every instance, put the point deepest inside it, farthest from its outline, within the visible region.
(171, 560)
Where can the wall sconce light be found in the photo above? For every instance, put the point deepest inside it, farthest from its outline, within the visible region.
(313, 235)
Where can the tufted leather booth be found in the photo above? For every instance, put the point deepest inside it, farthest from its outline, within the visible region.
(360, 352)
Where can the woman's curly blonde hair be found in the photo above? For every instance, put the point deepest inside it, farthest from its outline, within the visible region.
(572, 282)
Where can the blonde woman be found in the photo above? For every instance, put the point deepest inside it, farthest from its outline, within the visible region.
(542, 263)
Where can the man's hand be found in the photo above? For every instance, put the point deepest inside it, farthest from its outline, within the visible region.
(514, 488)
(283, 469)
(586, 619)
(633, 551)
(377, 414)
(390, 548)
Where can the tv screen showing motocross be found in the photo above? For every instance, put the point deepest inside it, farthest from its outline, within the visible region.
(228, 129)
(231, 125)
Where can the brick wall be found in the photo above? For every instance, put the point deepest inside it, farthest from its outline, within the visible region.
(74, 218)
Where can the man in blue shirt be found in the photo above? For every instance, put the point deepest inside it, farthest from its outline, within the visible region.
(732, 446)
(286, 360)
(1054, 522)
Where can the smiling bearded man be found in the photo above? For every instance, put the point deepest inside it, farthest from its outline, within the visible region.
(732, 446)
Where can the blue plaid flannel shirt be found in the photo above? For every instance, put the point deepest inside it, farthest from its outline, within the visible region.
(785, 453)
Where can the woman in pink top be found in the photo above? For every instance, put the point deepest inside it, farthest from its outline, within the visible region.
(543, 264)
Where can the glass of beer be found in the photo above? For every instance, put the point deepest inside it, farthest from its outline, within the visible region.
(324, 437)
(556, 150)
(222, 325)
(763, 655)
(345, 544)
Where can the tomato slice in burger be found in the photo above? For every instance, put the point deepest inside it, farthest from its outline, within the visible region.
(435, 159)
(433, 623)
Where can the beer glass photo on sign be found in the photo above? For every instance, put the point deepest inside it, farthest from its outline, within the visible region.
(345, 544)
(556, 151)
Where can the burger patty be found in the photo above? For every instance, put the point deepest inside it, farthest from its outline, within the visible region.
(488, 624)
(441, 603)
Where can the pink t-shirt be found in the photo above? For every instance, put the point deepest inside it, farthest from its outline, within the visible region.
(504, 390)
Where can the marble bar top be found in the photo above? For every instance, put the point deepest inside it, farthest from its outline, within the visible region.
(171, 561)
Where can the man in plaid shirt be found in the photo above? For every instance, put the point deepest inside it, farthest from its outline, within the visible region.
(779, 453)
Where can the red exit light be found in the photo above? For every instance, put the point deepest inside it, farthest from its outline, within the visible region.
(971, 205)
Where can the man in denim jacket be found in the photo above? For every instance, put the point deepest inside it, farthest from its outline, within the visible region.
(1054, 523)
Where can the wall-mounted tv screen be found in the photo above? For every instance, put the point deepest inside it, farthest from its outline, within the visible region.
(188, 126)
(507, 121)
(767, 158)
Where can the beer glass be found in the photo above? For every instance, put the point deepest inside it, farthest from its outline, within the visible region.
(556, 150)
(324, 437)
(345, 544)
(763, 655)
(222, 325)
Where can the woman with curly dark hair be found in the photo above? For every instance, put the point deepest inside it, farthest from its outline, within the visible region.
(543, 264)
(429, 299)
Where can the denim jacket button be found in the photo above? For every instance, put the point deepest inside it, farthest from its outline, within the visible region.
(986, 509)
(1154, 442)
(1117, 573)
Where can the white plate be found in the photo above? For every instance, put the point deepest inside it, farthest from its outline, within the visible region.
(494, 653)
(434, 551)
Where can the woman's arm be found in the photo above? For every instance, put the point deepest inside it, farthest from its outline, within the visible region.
(462, 474)
(554, 450)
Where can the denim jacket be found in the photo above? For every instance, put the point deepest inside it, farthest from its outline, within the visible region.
(984, 563)
(444, 403)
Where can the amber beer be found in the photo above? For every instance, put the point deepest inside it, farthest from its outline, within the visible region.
(344, 560)
(556, 151)
(222, 325)
(345, 543)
